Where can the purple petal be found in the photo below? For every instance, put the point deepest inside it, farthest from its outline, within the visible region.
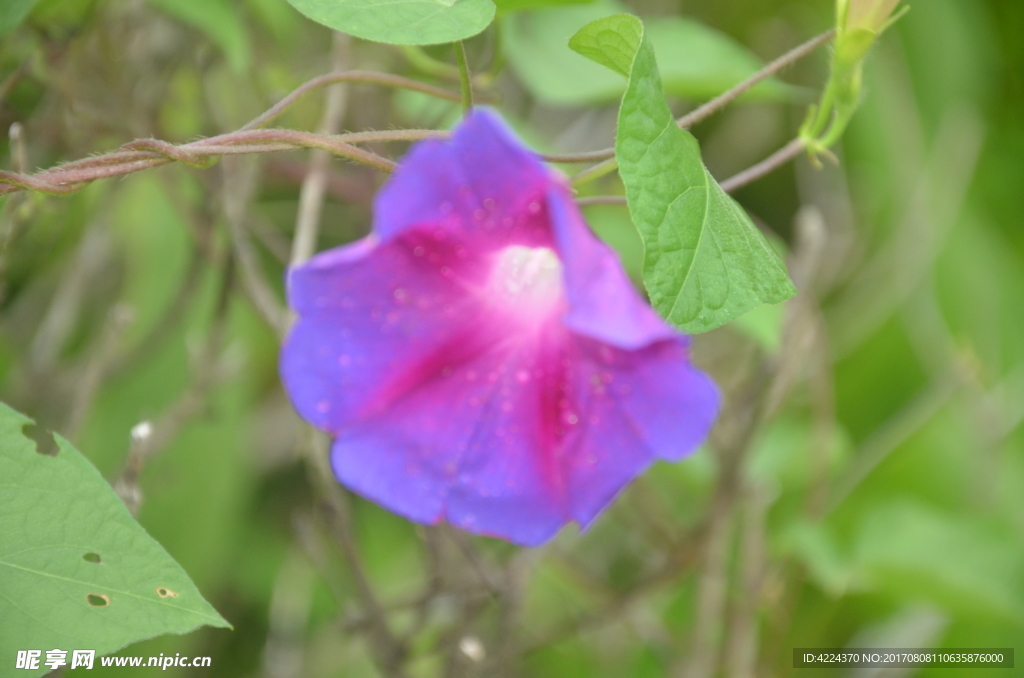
(634, 407)
(374, 319)
(522, 438)
(603, 304)
(481, 181)
(472, 445)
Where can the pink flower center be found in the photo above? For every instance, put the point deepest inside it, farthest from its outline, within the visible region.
(526, 282)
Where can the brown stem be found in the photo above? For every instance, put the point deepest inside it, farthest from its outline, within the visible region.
(367, 77)
(148, 439)
(337, 510)
(766, 166)
(147, 153)
(314, 185)
(239, 186)
(725, 98)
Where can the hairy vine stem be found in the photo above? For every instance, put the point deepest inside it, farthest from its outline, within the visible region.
(766, 166)
(147, 153)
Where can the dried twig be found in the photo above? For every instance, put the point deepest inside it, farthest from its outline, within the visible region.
(149, 438)
(311, 197)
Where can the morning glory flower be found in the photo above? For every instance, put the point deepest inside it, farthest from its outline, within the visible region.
(481, 357)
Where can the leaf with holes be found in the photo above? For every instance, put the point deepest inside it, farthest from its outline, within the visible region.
(705, 262)
(402, 22)
(76, 570)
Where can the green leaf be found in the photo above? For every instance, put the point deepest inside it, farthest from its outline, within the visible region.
(705, 262)
(611, 42)
(764, 325)
(814, 546)
(697, 62)
(218, 21)
(960, 562)
(76, 570)
(783, 455)
(12, 13)
(402, 22)
(516, 5)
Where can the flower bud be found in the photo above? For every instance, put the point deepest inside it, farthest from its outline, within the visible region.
(871, 15)
(858, 24)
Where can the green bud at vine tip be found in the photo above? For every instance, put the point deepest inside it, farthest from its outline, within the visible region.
(871, 15)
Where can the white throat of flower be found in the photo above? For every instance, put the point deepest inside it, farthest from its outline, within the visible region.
(526, 282)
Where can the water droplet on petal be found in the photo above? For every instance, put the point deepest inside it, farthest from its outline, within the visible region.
(533, 207)
(570, 418)
(419, 251)
(401, 296)
(522, 376)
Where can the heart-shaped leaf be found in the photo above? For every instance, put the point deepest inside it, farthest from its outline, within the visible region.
(402, 22)
(705, 262)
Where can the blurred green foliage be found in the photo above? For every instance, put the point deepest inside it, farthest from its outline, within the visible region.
(883, 502)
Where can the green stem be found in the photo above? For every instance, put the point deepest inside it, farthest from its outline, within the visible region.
(422, 61)
(595, 172)
(823, 112)
(464, 78)
(498, 58)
